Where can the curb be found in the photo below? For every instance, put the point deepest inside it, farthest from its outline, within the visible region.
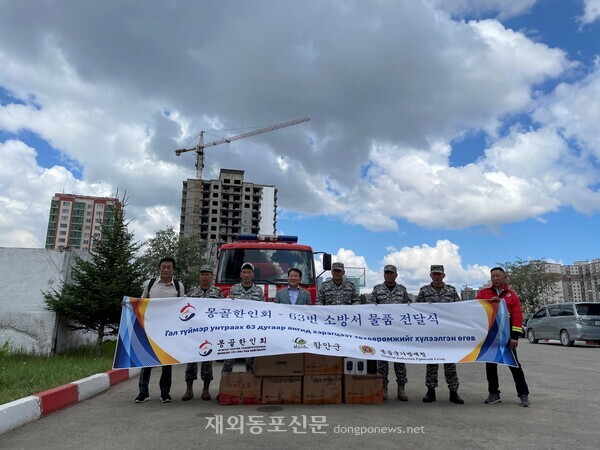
(28, 409)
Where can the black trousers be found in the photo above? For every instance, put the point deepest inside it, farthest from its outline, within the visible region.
(491, 371)
(164, 383)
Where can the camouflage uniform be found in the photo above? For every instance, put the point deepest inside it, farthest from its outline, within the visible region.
(383, 295)
(337, 294)
(240, 292)
(447, 294)
(191, 369)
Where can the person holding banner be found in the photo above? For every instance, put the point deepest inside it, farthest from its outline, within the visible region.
(439, 292)
(204, 290)
(500, 290)
(391, 292)
(165, 286)
(293, 294)
(247, 290)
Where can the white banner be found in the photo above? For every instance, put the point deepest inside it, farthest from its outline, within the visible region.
(179, 330)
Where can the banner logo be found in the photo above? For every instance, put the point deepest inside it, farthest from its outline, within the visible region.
(299, 343)
(205, 348)
(187, 312)
(367, 350)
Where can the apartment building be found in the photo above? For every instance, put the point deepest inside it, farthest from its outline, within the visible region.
(75, 221)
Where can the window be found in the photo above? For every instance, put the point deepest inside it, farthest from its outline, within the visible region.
(554, 311)
(62, 232)
(566, 310)
(64, 225)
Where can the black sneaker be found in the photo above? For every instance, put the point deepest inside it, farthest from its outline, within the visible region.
(524, 401)
(492, 398)
(165, 398)
(141, 398)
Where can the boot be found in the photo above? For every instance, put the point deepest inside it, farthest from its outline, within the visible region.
(205, 393)
(189, 392)
(402, 393)
(385, 394)
(455, 398)
(430, 396)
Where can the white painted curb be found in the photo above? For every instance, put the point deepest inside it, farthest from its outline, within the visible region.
(28, 409)
(92, 385)
(19, 412)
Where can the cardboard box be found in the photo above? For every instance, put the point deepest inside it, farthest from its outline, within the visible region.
(323, 364)
(363, 389)
(281, 390)
(239, 389)
(322, 389)
(279, 365)
(355, 366)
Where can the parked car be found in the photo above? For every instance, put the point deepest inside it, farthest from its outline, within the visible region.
(567, 322)
(526, 318)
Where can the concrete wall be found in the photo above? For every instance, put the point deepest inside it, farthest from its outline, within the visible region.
(24, 321)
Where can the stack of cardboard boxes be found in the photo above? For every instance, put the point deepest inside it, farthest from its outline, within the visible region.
(303, 378)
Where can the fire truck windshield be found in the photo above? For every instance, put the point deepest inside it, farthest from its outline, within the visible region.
(270, 265)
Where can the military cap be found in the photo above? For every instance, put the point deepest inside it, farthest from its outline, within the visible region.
(247, 265)
(437, 269)
(337, 266)
(390, 268)
(206, 268)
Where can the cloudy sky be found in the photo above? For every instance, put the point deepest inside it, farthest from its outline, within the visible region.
(458, 132)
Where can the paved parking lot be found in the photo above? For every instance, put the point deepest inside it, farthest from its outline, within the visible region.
(565, 411)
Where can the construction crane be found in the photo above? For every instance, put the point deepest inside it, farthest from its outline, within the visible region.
(199, 149)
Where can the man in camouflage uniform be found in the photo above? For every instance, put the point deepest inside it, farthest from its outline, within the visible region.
(337, 291)
(439, 292)
(391, 292)
(247, 290)
(204, 290)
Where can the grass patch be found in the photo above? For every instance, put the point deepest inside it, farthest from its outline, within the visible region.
(22, 375)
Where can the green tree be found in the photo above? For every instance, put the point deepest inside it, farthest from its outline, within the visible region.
(92, 300)
(532, 283)
(188, 253)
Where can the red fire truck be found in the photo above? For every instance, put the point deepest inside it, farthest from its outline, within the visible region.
(272, 257)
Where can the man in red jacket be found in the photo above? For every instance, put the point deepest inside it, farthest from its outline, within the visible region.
(499, 290)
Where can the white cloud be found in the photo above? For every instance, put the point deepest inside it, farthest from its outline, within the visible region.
(413, 264)
(591, 11)
(118, 98)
